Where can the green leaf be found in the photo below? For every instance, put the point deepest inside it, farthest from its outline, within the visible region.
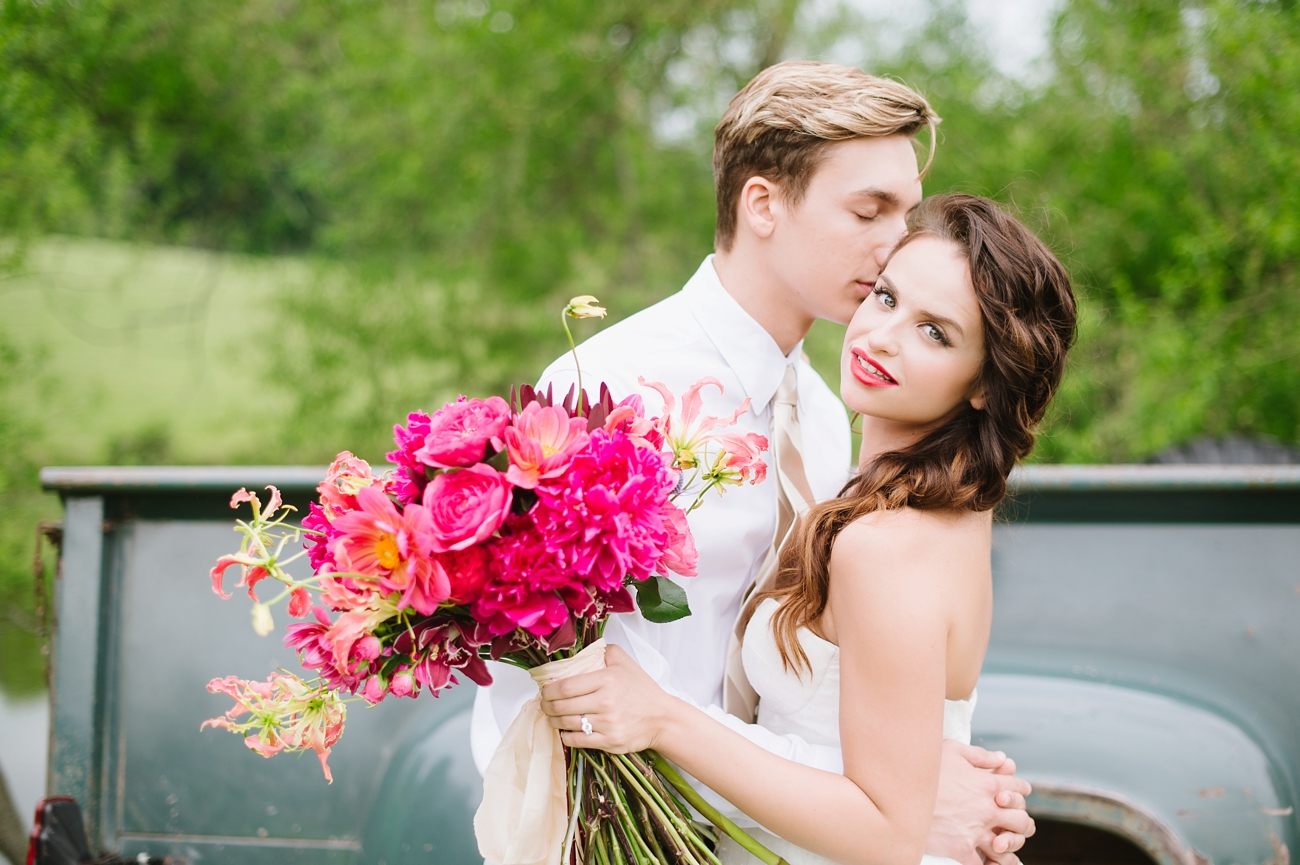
(661, 600)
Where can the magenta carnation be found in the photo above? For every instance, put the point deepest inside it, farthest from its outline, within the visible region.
(410, 477)
(318, 546)
(459, 433)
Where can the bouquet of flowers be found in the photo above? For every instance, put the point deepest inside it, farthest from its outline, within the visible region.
(507, 530)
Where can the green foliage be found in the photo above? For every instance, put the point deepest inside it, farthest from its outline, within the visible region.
(1158, 158)
(446, 174)
(661, 600)
(21, 508)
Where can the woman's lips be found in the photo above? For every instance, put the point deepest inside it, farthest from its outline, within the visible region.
(869, 372)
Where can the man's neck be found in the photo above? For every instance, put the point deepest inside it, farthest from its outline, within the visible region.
(763, 296)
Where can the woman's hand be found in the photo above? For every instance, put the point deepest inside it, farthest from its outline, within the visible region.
(627, 710)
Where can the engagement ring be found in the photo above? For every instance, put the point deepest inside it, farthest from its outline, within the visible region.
(586, 725)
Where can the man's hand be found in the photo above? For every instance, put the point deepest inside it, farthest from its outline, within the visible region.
(980, 813)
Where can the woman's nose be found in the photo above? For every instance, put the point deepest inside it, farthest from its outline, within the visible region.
(882, 340)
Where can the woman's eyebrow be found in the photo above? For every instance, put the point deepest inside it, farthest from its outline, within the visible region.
(942, 320)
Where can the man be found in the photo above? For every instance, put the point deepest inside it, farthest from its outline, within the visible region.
(815, 172)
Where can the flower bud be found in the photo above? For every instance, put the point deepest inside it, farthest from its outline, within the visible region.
(374, 690)
(584, 306)
(402, 685)
(263, 624)
(367, 648)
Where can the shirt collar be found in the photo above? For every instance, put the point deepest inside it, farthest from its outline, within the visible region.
(745, 345)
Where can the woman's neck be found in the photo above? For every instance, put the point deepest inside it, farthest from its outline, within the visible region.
(882, 436)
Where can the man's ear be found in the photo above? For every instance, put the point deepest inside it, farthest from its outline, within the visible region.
(758, 205)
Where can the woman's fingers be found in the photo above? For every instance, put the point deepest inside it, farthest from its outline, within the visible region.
(574, 686)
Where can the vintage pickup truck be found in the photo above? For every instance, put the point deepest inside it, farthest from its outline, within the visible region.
(1144, 672)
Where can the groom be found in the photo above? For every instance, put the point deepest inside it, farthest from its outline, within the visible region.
(815, 172)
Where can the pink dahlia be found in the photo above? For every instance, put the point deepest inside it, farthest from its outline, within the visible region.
(459, 432)
(379, 541)
(541, 443)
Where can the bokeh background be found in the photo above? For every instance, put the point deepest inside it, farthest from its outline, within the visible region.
(260, 231)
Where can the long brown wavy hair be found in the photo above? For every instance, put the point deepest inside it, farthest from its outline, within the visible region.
(1028, 312)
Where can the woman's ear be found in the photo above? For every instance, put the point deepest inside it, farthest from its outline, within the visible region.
(758, 205)
(977, 399)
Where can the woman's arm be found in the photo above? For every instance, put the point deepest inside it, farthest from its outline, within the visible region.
(892, 623)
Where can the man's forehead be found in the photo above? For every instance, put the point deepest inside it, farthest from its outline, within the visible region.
(884, 169)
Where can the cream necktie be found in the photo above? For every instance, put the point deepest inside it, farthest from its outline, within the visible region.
(793, 498)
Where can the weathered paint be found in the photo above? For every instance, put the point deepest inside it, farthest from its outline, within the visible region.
(75, 669)
(1164, 596)
(1116, 813)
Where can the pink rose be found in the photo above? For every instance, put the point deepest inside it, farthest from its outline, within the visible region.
(402, 685)
(680, 557)
(466, 507)
(460, 431)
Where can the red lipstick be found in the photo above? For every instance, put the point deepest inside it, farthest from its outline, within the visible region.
(868, 371)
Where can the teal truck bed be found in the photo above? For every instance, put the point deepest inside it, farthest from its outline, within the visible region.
(1144, 671)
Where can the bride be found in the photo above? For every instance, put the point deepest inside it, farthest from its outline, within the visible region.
(873, 634)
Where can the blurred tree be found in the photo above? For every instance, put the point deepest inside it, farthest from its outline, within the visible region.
(456, 169)
(1157, 156)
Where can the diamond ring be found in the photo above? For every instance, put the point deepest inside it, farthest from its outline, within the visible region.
(586, 725)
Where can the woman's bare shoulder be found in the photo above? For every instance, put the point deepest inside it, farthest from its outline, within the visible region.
(908, 529)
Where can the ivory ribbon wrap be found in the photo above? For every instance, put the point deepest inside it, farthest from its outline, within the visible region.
(525, 809)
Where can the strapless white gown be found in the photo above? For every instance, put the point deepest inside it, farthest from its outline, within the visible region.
(808, 706)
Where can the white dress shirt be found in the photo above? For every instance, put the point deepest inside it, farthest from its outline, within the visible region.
(700, 331)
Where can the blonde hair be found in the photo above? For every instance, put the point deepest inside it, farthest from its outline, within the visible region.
(780, 124)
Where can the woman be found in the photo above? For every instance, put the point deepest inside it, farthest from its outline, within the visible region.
(874, 634)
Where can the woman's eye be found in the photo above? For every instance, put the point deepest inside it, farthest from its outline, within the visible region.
(866, 217)
(886, 297)
(935, 333)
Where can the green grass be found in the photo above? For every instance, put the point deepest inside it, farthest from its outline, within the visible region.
(125, 354)
(145, 354)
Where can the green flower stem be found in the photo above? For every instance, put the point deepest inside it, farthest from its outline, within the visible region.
(678, 841)
(677, 830)
(651, 836)
(615, 848)
(621, 814)
(573, 347)
(740, 836)
(666, 793)
(575, 805)
(601, 852)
